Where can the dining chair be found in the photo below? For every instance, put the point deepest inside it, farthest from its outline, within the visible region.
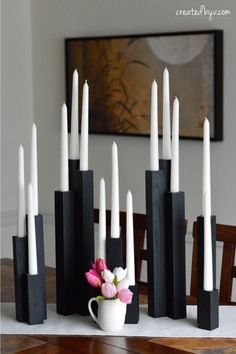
(227, 235)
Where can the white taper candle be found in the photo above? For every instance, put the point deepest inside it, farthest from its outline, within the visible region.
(206, 168)
(166, 141)
(32, 250)
(130, 239)
(84, 129)
(208, 265)
(102, 221)
(174, 176)
(21, 193)
(154, 154)
(115, 209)
(74, 139)
(34, 168)
(64, 178)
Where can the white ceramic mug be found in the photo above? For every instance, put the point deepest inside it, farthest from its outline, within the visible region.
(111, 314)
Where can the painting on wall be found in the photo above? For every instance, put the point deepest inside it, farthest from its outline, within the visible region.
(120, 71)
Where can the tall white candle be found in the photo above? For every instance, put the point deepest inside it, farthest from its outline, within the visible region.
(64, 179)
(34, 168)
(154, 154)
(32, 250)
(208, 265)
(206, 168)
(115, 209)
(74, 139)
(174, 176)
(102, 221)
(166, 141)
(21, 194)
(130, 239)
(84, 129)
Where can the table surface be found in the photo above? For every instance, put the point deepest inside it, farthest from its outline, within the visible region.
(32, 344)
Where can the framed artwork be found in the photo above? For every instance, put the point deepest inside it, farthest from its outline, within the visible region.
(120, 71)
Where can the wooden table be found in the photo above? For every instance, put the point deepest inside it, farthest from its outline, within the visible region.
(97, 344)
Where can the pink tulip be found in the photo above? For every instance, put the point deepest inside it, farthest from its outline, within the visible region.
(99, 265)
(125, 295)
(93, 278)
(108, 290)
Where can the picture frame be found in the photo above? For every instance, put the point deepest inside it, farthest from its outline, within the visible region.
(120, 70)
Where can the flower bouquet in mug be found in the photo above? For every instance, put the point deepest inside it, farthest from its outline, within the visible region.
(115, 295)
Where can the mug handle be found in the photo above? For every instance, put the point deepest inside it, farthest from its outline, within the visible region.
(90, 308)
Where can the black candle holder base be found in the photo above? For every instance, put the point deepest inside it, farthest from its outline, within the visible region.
(114, 252)
(208, 309)
(175, 254)
(65, 260)
(156, 243)
(40, 257)
(132, 312)
(73, 165)
(165, 166)
(20, 262)
(35, 301)
(82, 182)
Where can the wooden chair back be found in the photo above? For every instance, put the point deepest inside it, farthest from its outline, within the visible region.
(227, 235)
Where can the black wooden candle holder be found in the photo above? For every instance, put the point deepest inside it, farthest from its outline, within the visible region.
(208, 303)
(40, 257)
(208, 309)
(156, 243)
(20, 262)
(35, 299)
(175, 254)
(82, 182)
(114, 250)
(165, 166)
(132, 313)
(65, 251)
(73, 166)
(200, 243)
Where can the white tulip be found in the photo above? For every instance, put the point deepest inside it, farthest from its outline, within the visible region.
(123, 284)
(120, 273)
(108, 276)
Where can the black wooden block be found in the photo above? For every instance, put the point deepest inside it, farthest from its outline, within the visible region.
(114, 250)
(165, 166)
(73, 165)
(155, 204)
(84, 236)
(40, 257)
(35, 301)
(132, 313)
(175, 254)
(20, 262)
(65, 251)
(208, 309)
(200, 243)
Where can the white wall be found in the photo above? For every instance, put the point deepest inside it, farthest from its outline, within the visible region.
(16, 108)
(54, 20)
